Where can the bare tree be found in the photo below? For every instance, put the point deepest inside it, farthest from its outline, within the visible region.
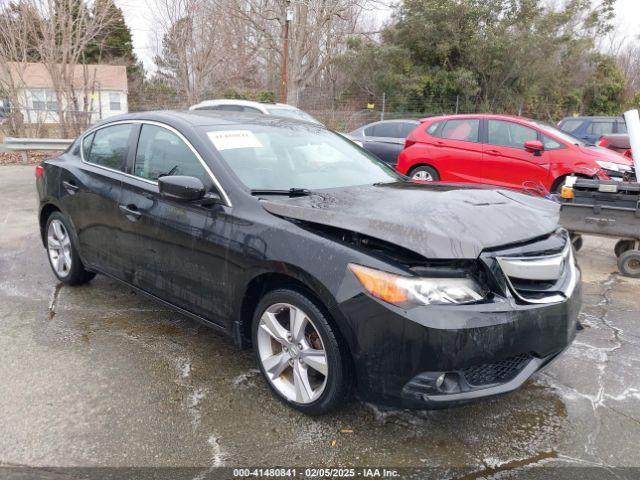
(202, 47)
(16, 50)
(628, 58)
(67, 29)
(317, 34)
(209, 45)
(55, 33)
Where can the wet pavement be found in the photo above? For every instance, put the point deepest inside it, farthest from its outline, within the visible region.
(100, 376)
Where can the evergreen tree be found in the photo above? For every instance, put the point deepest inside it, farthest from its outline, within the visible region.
(115, 43)
(115, 46)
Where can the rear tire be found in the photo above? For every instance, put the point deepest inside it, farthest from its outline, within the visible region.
(300, 353)
(62, 251)
(629, 263)
(424, 173)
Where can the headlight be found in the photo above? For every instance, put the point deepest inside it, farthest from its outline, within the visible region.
(615, 167)
(412, 291)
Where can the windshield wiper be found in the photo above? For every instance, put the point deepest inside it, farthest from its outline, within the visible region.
(292, 192)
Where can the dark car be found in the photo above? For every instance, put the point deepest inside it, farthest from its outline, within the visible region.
(590, 129)
(385, 139)
(337, 270)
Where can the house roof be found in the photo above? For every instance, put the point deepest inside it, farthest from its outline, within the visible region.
(36, 75)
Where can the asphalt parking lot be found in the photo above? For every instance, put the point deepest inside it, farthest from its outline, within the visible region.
(100, 376)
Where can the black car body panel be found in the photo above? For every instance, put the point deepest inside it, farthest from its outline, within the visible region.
(422, 217)
(213, 261)
(475, 336)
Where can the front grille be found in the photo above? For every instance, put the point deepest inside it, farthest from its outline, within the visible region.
(497, 372)
(535, 277)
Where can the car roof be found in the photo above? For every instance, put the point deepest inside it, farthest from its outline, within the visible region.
(243, 103)
(593, 117)
(394, 120)
(477, 115)
(203, 118)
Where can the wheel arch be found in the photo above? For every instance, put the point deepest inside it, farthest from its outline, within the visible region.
(422, 163)
(265, 281)
(45, 212)
(560, 180)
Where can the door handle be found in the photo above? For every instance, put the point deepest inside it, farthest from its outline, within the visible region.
(70, 187)
(493, 152)
(439, 144)
(131, 212)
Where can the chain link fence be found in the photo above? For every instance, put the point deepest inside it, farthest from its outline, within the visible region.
(341, 112)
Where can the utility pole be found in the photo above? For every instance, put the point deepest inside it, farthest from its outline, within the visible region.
(285, 53)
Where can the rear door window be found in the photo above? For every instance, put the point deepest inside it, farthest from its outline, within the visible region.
(389, 130)
(368, 132)
(571, 125)
(601, 127)
(622, 127)
(109, 146)
(86, 145)
(465, 130)
(509, 134)
(406, 129)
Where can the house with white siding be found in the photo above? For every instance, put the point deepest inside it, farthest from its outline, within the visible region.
(104, 86)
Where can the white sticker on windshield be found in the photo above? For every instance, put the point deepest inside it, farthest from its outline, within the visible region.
(228, 139)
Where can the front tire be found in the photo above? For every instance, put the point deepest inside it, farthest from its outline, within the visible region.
(63, 253)
(424, 173)
(576, 240)
(300, 353)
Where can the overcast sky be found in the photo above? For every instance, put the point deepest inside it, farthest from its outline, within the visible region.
(139, 18)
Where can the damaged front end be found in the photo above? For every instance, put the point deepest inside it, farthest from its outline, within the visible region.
(438, 354)
(436, 318)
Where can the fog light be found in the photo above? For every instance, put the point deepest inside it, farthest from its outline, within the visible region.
(440, 380)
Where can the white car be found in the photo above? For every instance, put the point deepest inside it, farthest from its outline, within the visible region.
(279, 109)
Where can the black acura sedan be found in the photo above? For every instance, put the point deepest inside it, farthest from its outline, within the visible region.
(342, 274)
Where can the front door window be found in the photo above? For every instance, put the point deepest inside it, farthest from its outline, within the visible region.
(509, 134)
(162, 152)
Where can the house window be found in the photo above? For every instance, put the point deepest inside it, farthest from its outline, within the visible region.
(44, 100)
(114, 102)
(39, 100)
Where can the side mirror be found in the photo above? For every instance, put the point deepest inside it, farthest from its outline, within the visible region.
(534, 146)
(178, 187)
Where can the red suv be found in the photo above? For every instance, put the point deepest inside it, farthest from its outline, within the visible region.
(502, 150)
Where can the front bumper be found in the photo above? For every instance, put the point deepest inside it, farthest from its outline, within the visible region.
(628, 176)
(422, 390)
(481, 350)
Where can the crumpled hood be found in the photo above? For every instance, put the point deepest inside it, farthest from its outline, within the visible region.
(441, 221)
(606, 155)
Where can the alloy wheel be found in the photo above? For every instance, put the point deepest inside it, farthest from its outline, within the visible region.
(59, 248)
(292, 353)
(422, 175)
